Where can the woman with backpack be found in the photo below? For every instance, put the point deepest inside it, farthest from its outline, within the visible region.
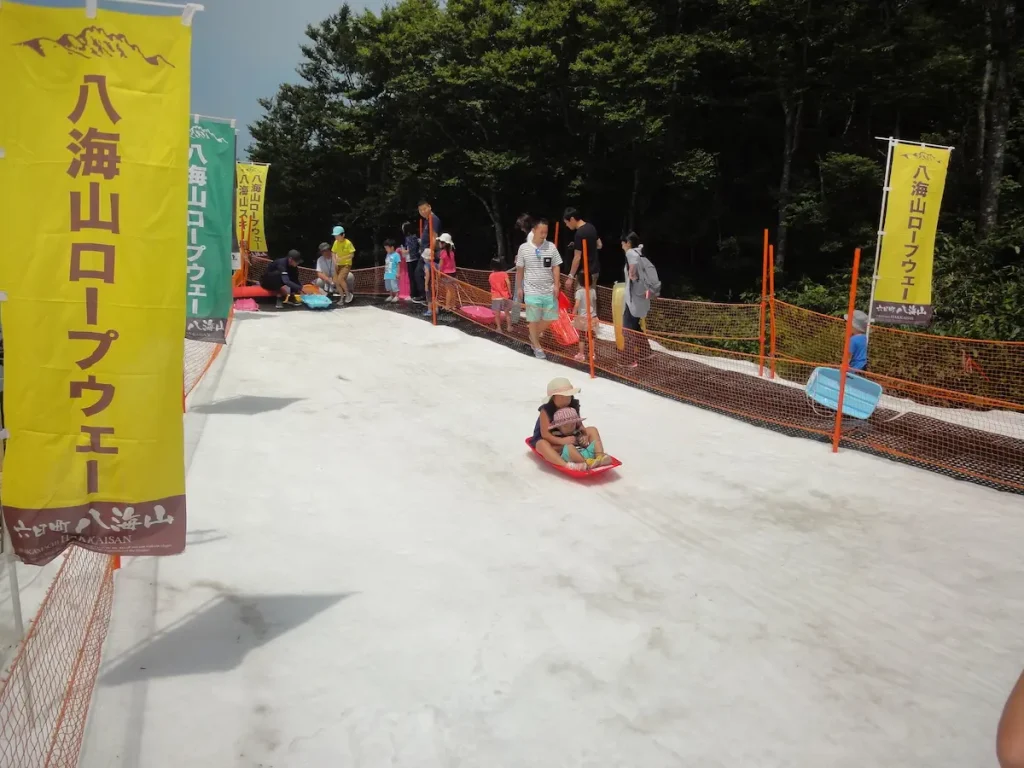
(637, 305)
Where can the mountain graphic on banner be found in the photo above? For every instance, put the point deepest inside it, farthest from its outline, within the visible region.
(199, 132)
(94, 43)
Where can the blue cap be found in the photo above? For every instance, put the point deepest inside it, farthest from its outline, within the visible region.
(338, 231)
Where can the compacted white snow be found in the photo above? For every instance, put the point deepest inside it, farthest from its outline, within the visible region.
(380, 574)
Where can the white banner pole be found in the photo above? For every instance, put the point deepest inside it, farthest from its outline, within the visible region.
(230, 120)
(881, 230)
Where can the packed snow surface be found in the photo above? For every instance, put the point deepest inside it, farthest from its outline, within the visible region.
(380, 574)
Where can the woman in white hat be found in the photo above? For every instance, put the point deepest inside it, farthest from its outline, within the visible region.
(563, 443)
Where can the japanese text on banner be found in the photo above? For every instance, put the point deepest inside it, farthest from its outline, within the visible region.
(251, 192)
(94, 185)
(211, 170)
(903, 288)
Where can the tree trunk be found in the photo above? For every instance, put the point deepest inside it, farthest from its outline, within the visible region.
(1004, 41)
(986, 87)
(499, 231)
(493, 208)
(793, 112)
(631, 215)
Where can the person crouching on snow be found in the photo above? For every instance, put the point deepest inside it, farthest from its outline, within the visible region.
(282, 278)
(564, 441)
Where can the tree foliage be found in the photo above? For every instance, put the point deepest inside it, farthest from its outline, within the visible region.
(698, 124)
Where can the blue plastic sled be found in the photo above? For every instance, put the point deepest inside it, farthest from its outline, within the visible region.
(316, 301)
(859, 400)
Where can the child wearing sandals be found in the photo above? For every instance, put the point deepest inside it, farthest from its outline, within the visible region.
(559, 435)
(579, 319)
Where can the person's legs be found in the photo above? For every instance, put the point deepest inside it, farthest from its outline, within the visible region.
(600, 458)
(572, 453)
(341, 280)
(549, 452)
(631, 333)
(595, 439)
(418, 280)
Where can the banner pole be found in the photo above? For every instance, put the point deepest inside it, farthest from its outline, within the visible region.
(881, 233)
(764, 287)
(844, 369)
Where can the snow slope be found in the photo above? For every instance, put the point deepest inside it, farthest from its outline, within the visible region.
(379, 574)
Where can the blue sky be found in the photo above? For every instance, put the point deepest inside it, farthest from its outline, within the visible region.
(241, 49)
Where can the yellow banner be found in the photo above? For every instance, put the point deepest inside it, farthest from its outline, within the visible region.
(903, 287)
(250, 193)
(93, 194)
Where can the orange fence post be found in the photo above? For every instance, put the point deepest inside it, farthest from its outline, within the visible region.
(556, 232)
(590, 320)
(764, 288)
(845, 367)
(771, 302)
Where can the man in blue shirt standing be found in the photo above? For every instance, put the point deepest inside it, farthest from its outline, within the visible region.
(859, 342)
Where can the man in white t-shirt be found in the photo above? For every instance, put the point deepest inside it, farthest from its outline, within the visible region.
(326, 267)
(538, 267)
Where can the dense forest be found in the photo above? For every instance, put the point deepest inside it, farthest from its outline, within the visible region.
(698, 124)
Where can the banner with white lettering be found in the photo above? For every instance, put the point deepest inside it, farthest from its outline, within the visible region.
(211, 179)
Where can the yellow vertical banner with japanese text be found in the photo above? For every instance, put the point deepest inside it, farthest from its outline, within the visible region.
(93, 204)
(250, 193)
(903, 283)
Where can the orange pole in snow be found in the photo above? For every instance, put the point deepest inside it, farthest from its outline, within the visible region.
(837, 431)
(590, 321)
(771, 301)
(764, 288)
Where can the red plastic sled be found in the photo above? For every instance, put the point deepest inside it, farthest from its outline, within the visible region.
(575, 472)
(251, 292)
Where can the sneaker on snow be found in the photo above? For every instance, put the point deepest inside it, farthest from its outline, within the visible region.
(349, 297)
(279, 304)
(539, 354)
(580, 358)
(577, 466)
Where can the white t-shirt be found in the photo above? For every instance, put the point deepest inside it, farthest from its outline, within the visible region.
(327, 265)
(581, 302)
(537, 262)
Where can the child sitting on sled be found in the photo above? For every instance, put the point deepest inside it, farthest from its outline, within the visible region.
(559, 435)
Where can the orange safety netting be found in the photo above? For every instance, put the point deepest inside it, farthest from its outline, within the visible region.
(199, 356)
(44, 702)
(45, 697)
(954, 405)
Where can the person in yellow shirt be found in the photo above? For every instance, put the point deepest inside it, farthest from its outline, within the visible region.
(343, 251)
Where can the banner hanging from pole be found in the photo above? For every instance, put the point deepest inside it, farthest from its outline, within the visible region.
(94, 185)
(211, 177)
(252, 183)
(903, 280)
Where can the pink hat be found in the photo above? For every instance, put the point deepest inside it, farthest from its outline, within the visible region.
(565, 417)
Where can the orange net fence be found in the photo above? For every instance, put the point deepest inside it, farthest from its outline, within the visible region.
(951, 405)
(199, 356)
(44, 702)
(45, 696)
